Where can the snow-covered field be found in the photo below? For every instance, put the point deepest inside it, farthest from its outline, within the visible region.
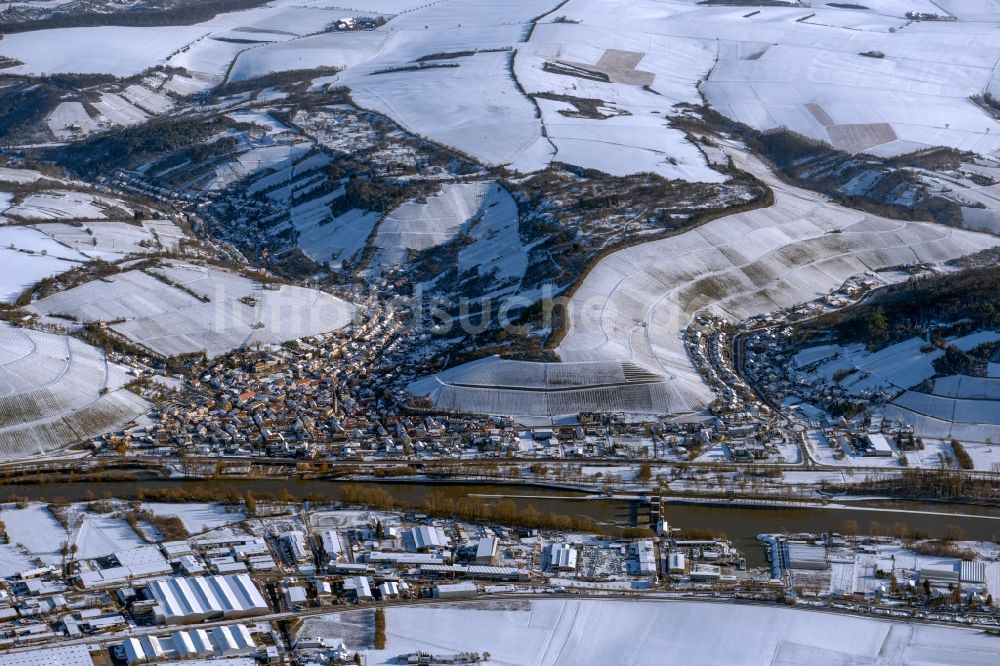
(966, 408)
(117, 110)
(421, 225)
(794, 67)
(36, 530)
(205, 49)
(111, 240)
(483, 212)
(101, 535)
(644, 76)
(229, 311)
(636, 303)
(27, 256)
(70, 119)
(195, 516)
(340, 50)
(554, 633)
(50, 393)
(66, 205)
(496, 78)
(333, 239)
(896, 367)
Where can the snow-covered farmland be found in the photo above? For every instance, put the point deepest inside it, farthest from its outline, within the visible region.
(205, 49)
(800, 68)
(636, 303)
(55, 391)
(148, 100)
(258, 158)
(340, 50)
(27, 256)
(496, 247)
(121, 51)
(635, 306)
(67, 205)
(334, 239)
(20, 176)
(69, 120)
(889, 370)
(117, 110)
(13, 560)
(185, 308)
(419, 225)
(470, 103)
(112, 240)
(783, 67)
(553, 633)
(632, 79)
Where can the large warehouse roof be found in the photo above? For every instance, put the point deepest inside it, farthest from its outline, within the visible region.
(198, 598)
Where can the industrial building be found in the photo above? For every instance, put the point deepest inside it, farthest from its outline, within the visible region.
(332, 545)
(486, 551)
(187, 600)
(427, 537)
(878, 445)
(562, 557)
(455, 591)
(360, 586)
(645, 555)
(141, 562)
(475, 571)
(675, 563)
(227, 641)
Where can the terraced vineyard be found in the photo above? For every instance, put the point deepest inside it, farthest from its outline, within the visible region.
(636, 303)
(55, 391)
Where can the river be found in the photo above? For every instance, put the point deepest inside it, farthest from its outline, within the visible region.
(741, 524)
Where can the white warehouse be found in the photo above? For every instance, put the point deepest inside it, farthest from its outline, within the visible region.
(187, 600)
(224, 641)
(562, 557)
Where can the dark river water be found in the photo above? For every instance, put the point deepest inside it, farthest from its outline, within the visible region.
(741, 524)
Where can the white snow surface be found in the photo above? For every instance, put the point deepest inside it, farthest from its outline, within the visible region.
(110, 240)
(204, 49)
(795, 67)
(27, 256)
(555, 633)
(101, 535)
(66, 205)
(171, 321)
(196, 517)
(36, 530)
(483, 212)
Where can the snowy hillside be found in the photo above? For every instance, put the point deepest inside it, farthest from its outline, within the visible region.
(55, 391)
(636, 303)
